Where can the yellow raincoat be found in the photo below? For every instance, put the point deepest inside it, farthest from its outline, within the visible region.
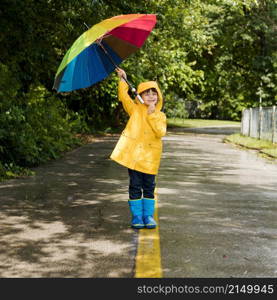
(140, 146)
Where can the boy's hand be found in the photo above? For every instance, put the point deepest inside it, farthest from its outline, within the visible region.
(121, 73)
(151, 108)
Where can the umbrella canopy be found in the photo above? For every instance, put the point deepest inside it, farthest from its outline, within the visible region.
(98, 51)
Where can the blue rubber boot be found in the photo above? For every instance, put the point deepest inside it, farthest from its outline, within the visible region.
(136, 211)
(148, 212)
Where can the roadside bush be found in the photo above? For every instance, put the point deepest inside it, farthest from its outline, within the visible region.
(34, 128)
(175, 107)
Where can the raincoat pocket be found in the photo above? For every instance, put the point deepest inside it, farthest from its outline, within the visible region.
(152, 152)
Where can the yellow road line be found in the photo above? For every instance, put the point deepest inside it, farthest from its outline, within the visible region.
(148, 259)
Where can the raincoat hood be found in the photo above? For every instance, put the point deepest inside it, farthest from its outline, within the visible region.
(150, 85)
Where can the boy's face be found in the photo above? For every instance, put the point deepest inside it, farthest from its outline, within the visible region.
(150, 97)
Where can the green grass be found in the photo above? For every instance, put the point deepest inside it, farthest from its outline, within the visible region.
(193, 123)
(271, 152)
(266, 148)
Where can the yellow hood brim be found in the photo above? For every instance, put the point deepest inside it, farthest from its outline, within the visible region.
(150, 85)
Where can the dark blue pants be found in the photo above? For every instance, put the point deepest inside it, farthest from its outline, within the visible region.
(141, 184)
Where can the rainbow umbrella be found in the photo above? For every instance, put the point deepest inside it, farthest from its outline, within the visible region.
(99, 50)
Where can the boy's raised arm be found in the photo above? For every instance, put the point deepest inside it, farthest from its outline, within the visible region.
(128, 103)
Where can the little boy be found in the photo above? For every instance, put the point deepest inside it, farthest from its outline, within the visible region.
(139, 148)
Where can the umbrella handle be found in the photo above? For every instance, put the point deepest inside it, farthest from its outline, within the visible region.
(134, 91)
(139, 97)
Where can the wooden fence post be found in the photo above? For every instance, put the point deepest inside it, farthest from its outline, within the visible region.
(250, 121)
(260, 121)
(273, 123)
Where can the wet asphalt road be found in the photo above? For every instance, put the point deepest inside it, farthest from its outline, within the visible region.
(217, 214)
(70, 220)
(218, 209)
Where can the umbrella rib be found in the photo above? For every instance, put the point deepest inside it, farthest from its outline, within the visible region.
(98, 55)
(108, 54)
